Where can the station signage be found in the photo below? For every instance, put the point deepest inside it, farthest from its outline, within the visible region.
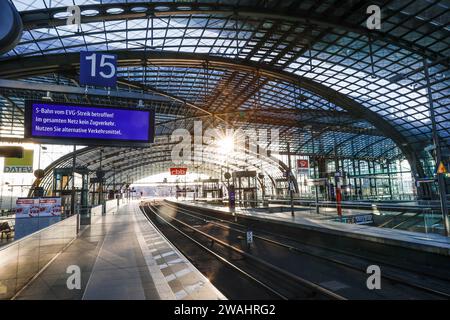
(98, 69)
(302, 164)
(19, 165)
(178, 171)
(62, 123)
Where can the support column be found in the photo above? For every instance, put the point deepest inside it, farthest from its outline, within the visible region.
(440, 176)
(360, 191)
(290, 177)
(337, 179)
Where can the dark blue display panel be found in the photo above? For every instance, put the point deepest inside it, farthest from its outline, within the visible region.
(90, 125)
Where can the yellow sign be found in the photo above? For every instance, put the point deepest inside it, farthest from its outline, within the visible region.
(20, 165)
(441, 168)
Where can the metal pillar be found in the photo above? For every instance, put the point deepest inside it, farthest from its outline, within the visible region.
(337, 180)
(39, 157)
(360, 190)
(369, 168)
(72, 196)
(389, 179)
(375, 178)
(290, 177)
(440, 176)
(100, 182)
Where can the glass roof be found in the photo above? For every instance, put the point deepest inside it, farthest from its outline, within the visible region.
(382, 70)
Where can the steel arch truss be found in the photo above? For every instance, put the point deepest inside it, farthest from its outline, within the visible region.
(120, 165)
(273, 61)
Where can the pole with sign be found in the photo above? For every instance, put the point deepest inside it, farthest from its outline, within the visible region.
(23, 164)
(231, 197)
(290, 178)
(179, 172)
(302, 166)
(249, 238)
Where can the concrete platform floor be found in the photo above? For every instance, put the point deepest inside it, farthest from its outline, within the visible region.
(121, 256)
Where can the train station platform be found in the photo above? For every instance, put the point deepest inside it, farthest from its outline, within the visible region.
(121, 256)
(432, 243)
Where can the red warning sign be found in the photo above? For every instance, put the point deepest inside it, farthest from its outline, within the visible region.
(302, 164)
(178, 171)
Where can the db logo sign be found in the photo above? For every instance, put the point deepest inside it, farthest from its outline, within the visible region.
(178, 171)
(302, 163)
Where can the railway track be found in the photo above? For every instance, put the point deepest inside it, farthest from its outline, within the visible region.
(336, 259)
(278, 283)
(343, 261)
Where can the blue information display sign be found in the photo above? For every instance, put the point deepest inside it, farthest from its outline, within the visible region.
(53, 122)
(98, 69)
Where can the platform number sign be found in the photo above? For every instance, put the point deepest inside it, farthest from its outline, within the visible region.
(98, 69)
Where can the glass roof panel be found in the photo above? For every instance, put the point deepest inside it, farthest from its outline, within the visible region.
(384, 74)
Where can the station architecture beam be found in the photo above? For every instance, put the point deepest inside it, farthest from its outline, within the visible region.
(23, 66)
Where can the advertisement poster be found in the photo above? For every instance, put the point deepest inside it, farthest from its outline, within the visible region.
(20, 165)
(37, 207)
(33, 214)
(178, 171)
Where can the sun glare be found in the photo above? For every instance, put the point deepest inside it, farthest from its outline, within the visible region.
(226, 144)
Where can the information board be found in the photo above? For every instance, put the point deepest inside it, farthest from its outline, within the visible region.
(53, 122)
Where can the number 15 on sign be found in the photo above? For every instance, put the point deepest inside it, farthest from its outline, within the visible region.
(98, 69)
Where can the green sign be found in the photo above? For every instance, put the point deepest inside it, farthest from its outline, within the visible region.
(20, 165)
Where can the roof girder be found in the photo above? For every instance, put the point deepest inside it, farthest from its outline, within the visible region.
(45, 18)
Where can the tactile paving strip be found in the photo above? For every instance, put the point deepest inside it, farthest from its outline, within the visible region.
(174, 276)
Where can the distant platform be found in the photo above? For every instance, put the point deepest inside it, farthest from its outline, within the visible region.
(432, 243)
(122, 256)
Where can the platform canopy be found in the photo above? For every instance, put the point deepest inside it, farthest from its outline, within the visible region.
(311, 69)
